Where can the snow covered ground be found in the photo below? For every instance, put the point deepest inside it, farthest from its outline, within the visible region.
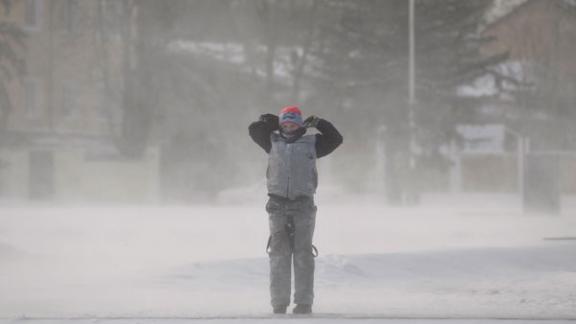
(465, 258)
(283, 320)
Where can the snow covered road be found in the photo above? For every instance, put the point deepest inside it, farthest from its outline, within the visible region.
(191, 262)
(283, 320)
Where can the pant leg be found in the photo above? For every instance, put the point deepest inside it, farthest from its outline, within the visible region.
(280, 255)
(304, 221)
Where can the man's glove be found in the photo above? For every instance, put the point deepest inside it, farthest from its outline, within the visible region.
(270, 120)
(311, 121)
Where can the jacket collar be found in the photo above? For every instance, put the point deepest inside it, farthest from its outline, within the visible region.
(294, 137)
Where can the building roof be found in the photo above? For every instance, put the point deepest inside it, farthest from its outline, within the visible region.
(502, 8)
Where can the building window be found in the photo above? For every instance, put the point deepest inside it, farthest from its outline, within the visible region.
(68, 101)
(71, 15)
(32, 14)
(32, 96)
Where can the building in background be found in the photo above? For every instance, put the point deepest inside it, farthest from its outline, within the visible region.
(533, 94)
(539, 78)
(58, 143)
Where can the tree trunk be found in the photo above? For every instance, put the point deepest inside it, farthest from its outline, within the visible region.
(104, 62)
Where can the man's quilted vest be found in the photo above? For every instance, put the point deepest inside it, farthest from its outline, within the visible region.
(292, 167)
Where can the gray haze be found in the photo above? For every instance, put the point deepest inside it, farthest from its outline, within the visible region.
(129, 185)
(138, 101)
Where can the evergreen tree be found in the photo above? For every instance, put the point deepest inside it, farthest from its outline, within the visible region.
(363, 72)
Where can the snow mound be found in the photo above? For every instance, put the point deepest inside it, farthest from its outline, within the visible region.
(533, 282)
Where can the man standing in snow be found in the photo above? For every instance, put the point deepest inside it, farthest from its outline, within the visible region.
(292, 180)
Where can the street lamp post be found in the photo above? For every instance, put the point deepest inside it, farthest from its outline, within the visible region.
(411, 83)
(412, 192)
(411, 78)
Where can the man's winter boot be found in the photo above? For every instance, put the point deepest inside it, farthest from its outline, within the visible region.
(279, 309)
(302, 309)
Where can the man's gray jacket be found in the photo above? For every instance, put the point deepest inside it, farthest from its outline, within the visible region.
(292, 162)
(292, 167)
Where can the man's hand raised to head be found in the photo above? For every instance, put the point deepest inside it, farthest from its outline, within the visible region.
(270, 120)
(311, 121)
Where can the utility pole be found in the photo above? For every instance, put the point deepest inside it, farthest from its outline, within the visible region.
(401, 162)
(411, 69)
(411, 84)
(412, 192)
